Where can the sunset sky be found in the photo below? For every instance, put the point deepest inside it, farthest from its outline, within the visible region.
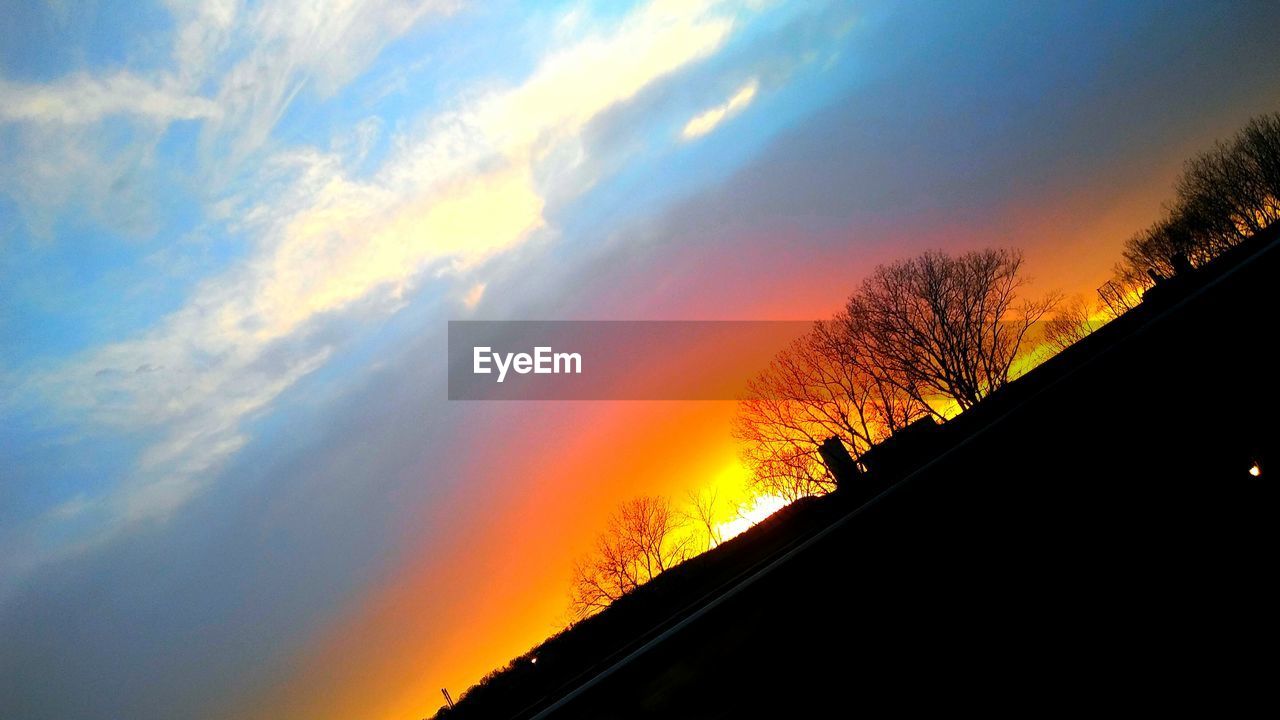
(231, 235)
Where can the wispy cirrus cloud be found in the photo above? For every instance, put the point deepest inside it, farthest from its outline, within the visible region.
(280, 48)
(707, 120)
(82, 98)
(459, 187)
(234, 69)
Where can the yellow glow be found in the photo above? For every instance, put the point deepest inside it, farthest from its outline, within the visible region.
(575, 84)
(356, 238)
(759, 508)
(334, 258)
(707, 121)
(1255, 470)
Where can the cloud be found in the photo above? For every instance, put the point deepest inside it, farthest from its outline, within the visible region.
(292, 44)
(576, 84)
(81, 99)
(235, 71)
(474, 295)
(50, 167)
(206, 32)
(706, 121)
(77, 505)
(455, 191)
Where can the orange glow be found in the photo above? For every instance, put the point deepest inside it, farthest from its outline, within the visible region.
(483, 576)
(453, 611)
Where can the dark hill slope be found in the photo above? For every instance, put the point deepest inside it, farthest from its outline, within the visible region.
(1088, 535)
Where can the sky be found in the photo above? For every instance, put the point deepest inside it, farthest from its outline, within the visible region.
(231, 235)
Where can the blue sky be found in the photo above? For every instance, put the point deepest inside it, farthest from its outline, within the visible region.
(231, 234)
(152, 181)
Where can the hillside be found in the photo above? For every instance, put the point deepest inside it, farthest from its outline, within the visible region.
(1090, 530)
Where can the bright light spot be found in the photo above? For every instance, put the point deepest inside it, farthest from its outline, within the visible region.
(472, 298)
(760, 508)
(533, 661)
(1255, 470)
(707, 121)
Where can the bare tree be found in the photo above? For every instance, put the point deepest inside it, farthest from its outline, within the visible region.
(1223, 196)
(703, 512)
(1153, 251)
(821, 386)
(1074, 320)
(1120, 294)
(788, 470)
(944, 327)
(643, 539)
(1259, 142)
(1185, 236)
(883, 406)
(1232, 189)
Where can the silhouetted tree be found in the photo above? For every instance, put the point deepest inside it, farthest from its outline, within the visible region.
(1223, 196)
(1072, 322)
(1155, 249)
(823, 385)
(1231, 191)
(702, 512)
(947, 327)
(642, 540)
(1121, 294)
(884, 406)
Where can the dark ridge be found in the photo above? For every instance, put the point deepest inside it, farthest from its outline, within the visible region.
(1088, 531)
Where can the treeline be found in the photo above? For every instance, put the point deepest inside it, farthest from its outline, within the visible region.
(565, 658)
(644, 537)
(934, 335)
(1223, 197)
(929, 337)
(648, 535)
(925, 337)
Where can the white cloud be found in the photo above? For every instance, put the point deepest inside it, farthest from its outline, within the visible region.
(206, 33)
(706, 121)
(235, 71)
(52, 166)
(295, 44)
(81, 99)
(451, 195)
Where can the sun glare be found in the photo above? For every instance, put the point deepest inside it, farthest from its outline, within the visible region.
(759, 508)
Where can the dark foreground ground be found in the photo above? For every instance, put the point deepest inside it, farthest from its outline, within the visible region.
(1089, 540)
